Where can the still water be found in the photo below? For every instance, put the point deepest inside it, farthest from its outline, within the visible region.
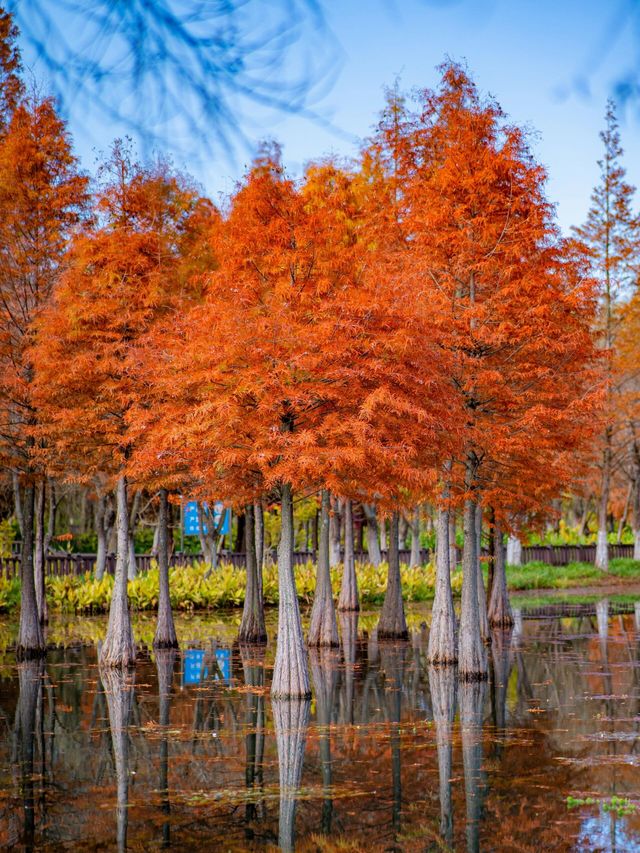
(190, 753)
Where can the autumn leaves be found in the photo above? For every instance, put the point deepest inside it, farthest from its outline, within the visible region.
(407, 327)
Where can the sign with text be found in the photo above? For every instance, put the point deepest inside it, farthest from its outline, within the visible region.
(191, 522)
(194, 669)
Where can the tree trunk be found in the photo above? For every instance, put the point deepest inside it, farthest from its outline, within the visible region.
(165, 637)
(39, 555)
(442, 635)
(335, 522)
(119, 692)
(383, 535)
(602, 544)
(482, 595)
(132, 566)
(442, 686)
(348, 599)
(240, 544)
(403, 527)
(259, 538)
(392, 624)
(101, 533)
(373, 535)
(252, 629)
(30, 643)
(119, 649)
(514, 551)
(323, 627)
(453, 551)
(17, 501)
(472, 663)
(154, 542)
(291, 670)
(500, 614)
(291, 720)
(415, 538)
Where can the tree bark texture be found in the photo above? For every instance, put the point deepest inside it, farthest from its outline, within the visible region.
(30, 639)
(514, 551)
(165, 637)
(442, 634)
(453, 551)
(392, 624)
(39, 555)
(323, 626)
(482, 595)
(132, 568)
(472, 663)
(334, 533)
(500, 614)
(349, 599)
(119, 649)
(373, 534)
(259, 537)
(17, 500)
(415, 538)
(291, 670)
(252, 627)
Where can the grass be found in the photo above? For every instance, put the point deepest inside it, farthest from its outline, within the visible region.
(542, 576)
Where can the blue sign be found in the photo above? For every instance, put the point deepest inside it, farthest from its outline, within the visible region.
(195, 672)
(191, 522)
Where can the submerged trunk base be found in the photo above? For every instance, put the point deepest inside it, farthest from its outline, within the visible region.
(24, 653)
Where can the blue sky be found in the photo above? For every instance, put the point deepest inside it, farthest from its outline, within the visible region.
(551, 65)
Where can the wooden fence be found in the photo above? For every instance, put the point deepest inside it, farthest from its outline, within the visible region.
(78, 564)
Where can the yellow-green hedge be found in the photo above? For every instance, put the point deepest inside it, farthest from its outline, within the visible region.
(190, 590)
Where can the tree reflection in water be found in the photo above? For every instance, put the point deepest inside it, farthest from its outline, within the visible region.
(30, 679)
(119, 689)
(324, 672)
(165, 663)
(472, 695)
(291, 720)
(252, 658)
(442, 684)
(392, 655)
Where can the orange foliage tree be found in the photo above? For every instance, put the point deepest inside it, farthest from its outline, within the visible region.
(42, 196)
(611, 237)
(121, 275)
(505, 302)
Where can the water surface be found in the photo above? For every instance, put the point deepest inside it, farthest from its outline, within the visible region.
(189, 752)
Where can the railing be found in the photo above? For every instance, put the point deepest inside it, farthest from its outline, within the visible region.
(561, 555)
(78, 564)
